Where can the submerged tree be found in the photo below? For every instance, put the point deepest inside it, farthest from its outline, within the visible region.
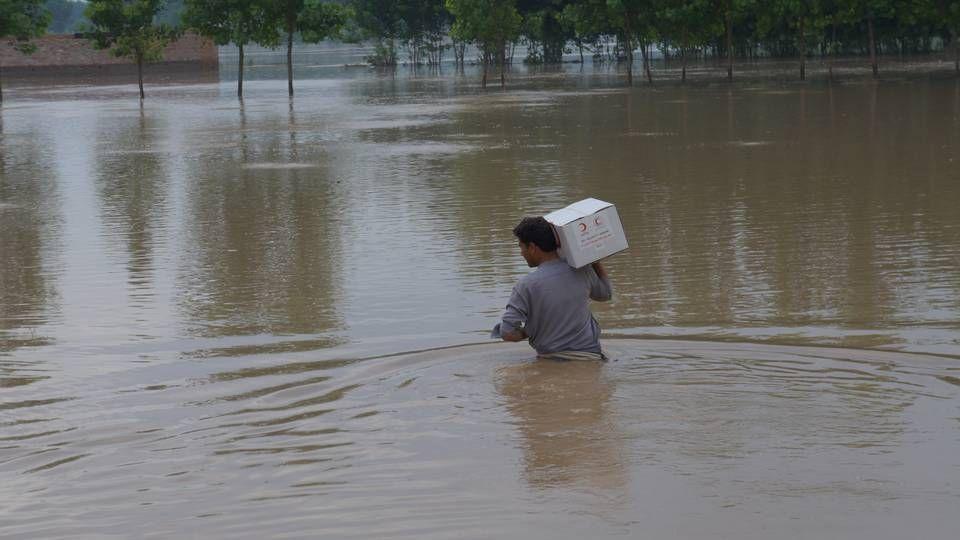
(687, 25)
(232, 21)
(798, 20)
(423, 24)
(420, 25)
(21, 20)
(733, 14)
(634, 22)
(491, 25)
(381, 21)
(316, 20)
(872, 12)
(545, 29)
(586, 22)
(127, 29)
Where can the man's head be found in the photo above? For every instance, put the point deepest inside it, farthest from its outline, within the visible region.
(536, 240)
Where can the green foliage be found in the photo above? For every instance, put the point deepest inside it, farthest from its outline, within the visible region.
(315, 20)
(421, 18)
(586, 21)
(490, 24)
(949, 12)
(636, 22)
(232, 21)
(21, 20)
(792, 21)
(419, 24)
(378, 18)
(688, 23)
(127, 28)
(545, 29)
(320, 20)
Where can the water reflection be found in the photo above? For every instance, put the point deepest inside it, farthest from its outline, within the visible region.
(568, 435)
(378, 211)
(782, 207)
(30, 219)
(263, 236)
(747, 207)
(131, 182)
(790, 225)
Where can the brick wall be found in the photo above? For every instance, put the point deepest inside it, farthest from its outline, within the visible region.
(68, 51)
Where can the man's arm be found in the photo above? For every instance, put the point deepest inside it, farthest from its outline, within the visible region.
(515, 316)
(600, 288)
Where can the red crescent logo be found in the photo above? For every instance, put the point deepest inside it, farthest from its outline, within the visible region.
(583, 227)
(597, 221)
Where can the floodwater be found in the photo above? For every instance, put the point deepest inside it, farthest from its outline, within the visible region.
(269, 319)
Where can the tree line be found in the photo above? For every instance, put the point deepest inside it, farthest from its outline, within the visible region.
(426, 30)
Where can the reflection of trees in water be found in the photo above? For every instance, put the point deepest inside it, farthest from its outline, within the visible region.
(562, 411)
(263, 242)
(29, 224)
(513, 171)
(786, 206)
(131, 184)
(774, 206)
(29, 216)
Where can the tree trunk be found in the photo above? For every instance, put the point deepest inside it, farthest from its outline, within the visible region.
(1, 84)
(290, 61)
(803, 52)
(956, 52)
(456, 54)
(649, 54)
(683, 63)
(628, 38)
(873, 45)
(503, 65)
(646, 62)
(486, 61)
(729, 42)
(240, 73)
(832, 52)
(140, 74)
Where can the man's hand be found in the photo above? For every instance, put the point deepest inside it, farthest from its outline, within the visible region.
(516, 335)
(600, 270)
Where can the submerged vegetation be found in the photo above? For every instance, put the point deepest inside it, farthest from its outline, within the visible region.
(422, 32)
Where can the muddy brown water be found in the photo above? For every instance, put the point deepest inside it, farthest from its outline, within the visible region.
(268, 319)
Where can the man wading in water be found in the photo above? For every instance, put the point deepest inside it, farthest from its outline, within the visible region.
(549, 306)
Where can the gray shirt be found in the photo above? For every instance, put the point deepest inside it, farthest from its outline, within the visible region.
(551, 304)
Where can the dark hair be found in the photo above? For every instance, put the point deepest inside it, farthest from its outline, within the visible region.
(538, 231)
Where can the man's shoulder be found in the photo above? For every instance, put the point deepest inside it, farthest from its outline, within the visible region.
(547, 272)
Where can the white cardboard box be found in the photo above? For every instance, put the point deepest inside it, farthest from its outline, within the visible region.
(588, 231)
